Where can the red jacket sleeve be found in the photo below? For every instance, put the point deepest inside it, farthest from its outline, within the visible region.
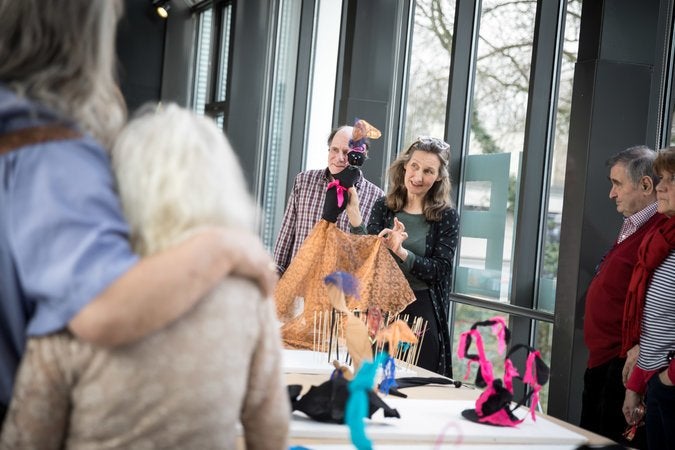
(637, 382)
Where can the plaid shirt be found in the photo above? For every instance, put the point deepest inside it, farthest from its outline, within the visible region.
(632, 223)
(304, 209)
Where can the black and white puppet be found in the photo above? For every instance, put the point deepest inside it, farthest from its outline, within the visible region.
(337, 194)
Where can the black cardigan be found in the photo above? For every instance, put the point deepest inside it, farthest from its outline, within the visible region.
(434, 268)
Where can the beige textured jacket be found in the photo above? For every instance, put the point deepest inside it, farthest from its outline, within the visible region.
(186, 386)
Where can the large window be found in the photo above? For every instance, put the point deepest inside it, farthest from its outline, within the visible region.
(430, 59)
(323, 75)
(214, 44)
(280, 116)
(548, 272)
(202, 61)
(492, 166)
(212, 59)
(498, 140)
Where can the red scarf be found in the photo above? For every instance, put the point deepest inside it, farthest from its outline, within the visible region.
(654, 248)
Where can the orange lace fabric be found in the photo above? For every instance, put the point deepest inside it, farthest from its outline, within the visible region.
(327, 249)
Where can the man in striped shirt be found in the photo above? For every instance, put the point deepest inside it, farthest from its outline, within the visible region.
(633, 181)
(305, 204)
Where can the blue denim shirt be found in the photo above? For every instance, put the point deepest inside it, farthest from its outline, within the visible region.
(63, 238)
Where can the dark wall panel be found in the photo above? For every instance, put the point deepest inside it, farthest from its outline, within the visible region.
(370, 75)
(246, 126)
(614, 106)
(637, 44)
(140, 49)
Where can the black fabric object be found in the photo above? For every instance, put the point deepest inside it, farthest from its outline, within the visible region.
(394, 392)
(497, 398)
(470, 414)
(429, 354)
(543, 372)
(294, 391)
(500, 399)
(346, 178)
(480, 381)
(406, 382)
(326, 402)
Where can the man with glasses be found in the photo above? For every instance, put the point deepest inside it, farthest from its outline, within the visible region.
(306, 202)
(633, 181)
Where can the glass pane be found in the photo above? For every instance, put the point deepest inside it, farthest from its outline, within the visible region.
(549, 259)
(203, 61)
(281, 113)
(324, 72)
(543, 341)
(221, 86)
(499, 108)
(429, 69)
(464, 317)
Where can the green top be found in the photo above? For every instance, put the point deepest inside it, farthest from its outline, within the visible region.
(417, 227)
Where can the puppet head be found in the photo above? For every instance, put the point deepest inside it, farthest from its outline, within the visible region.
(358, 144)
(336, 192)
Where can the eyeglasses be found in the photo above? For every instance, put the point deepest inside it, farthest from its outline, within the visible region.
(431, 143)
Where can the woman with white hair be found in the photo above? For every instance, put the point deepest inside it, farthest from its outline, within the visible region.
(187, 385)
(65, 259)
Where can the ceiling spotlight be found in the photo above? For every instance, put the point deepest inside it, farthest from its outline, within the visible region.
(162, 7)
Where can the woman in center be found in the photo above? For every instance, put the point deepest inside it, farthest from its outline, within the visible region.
(419, 226)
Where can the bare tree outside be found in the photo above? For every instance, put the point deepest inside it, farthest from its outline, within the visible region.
(429, 69)
(498, 117)
(502, 70)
